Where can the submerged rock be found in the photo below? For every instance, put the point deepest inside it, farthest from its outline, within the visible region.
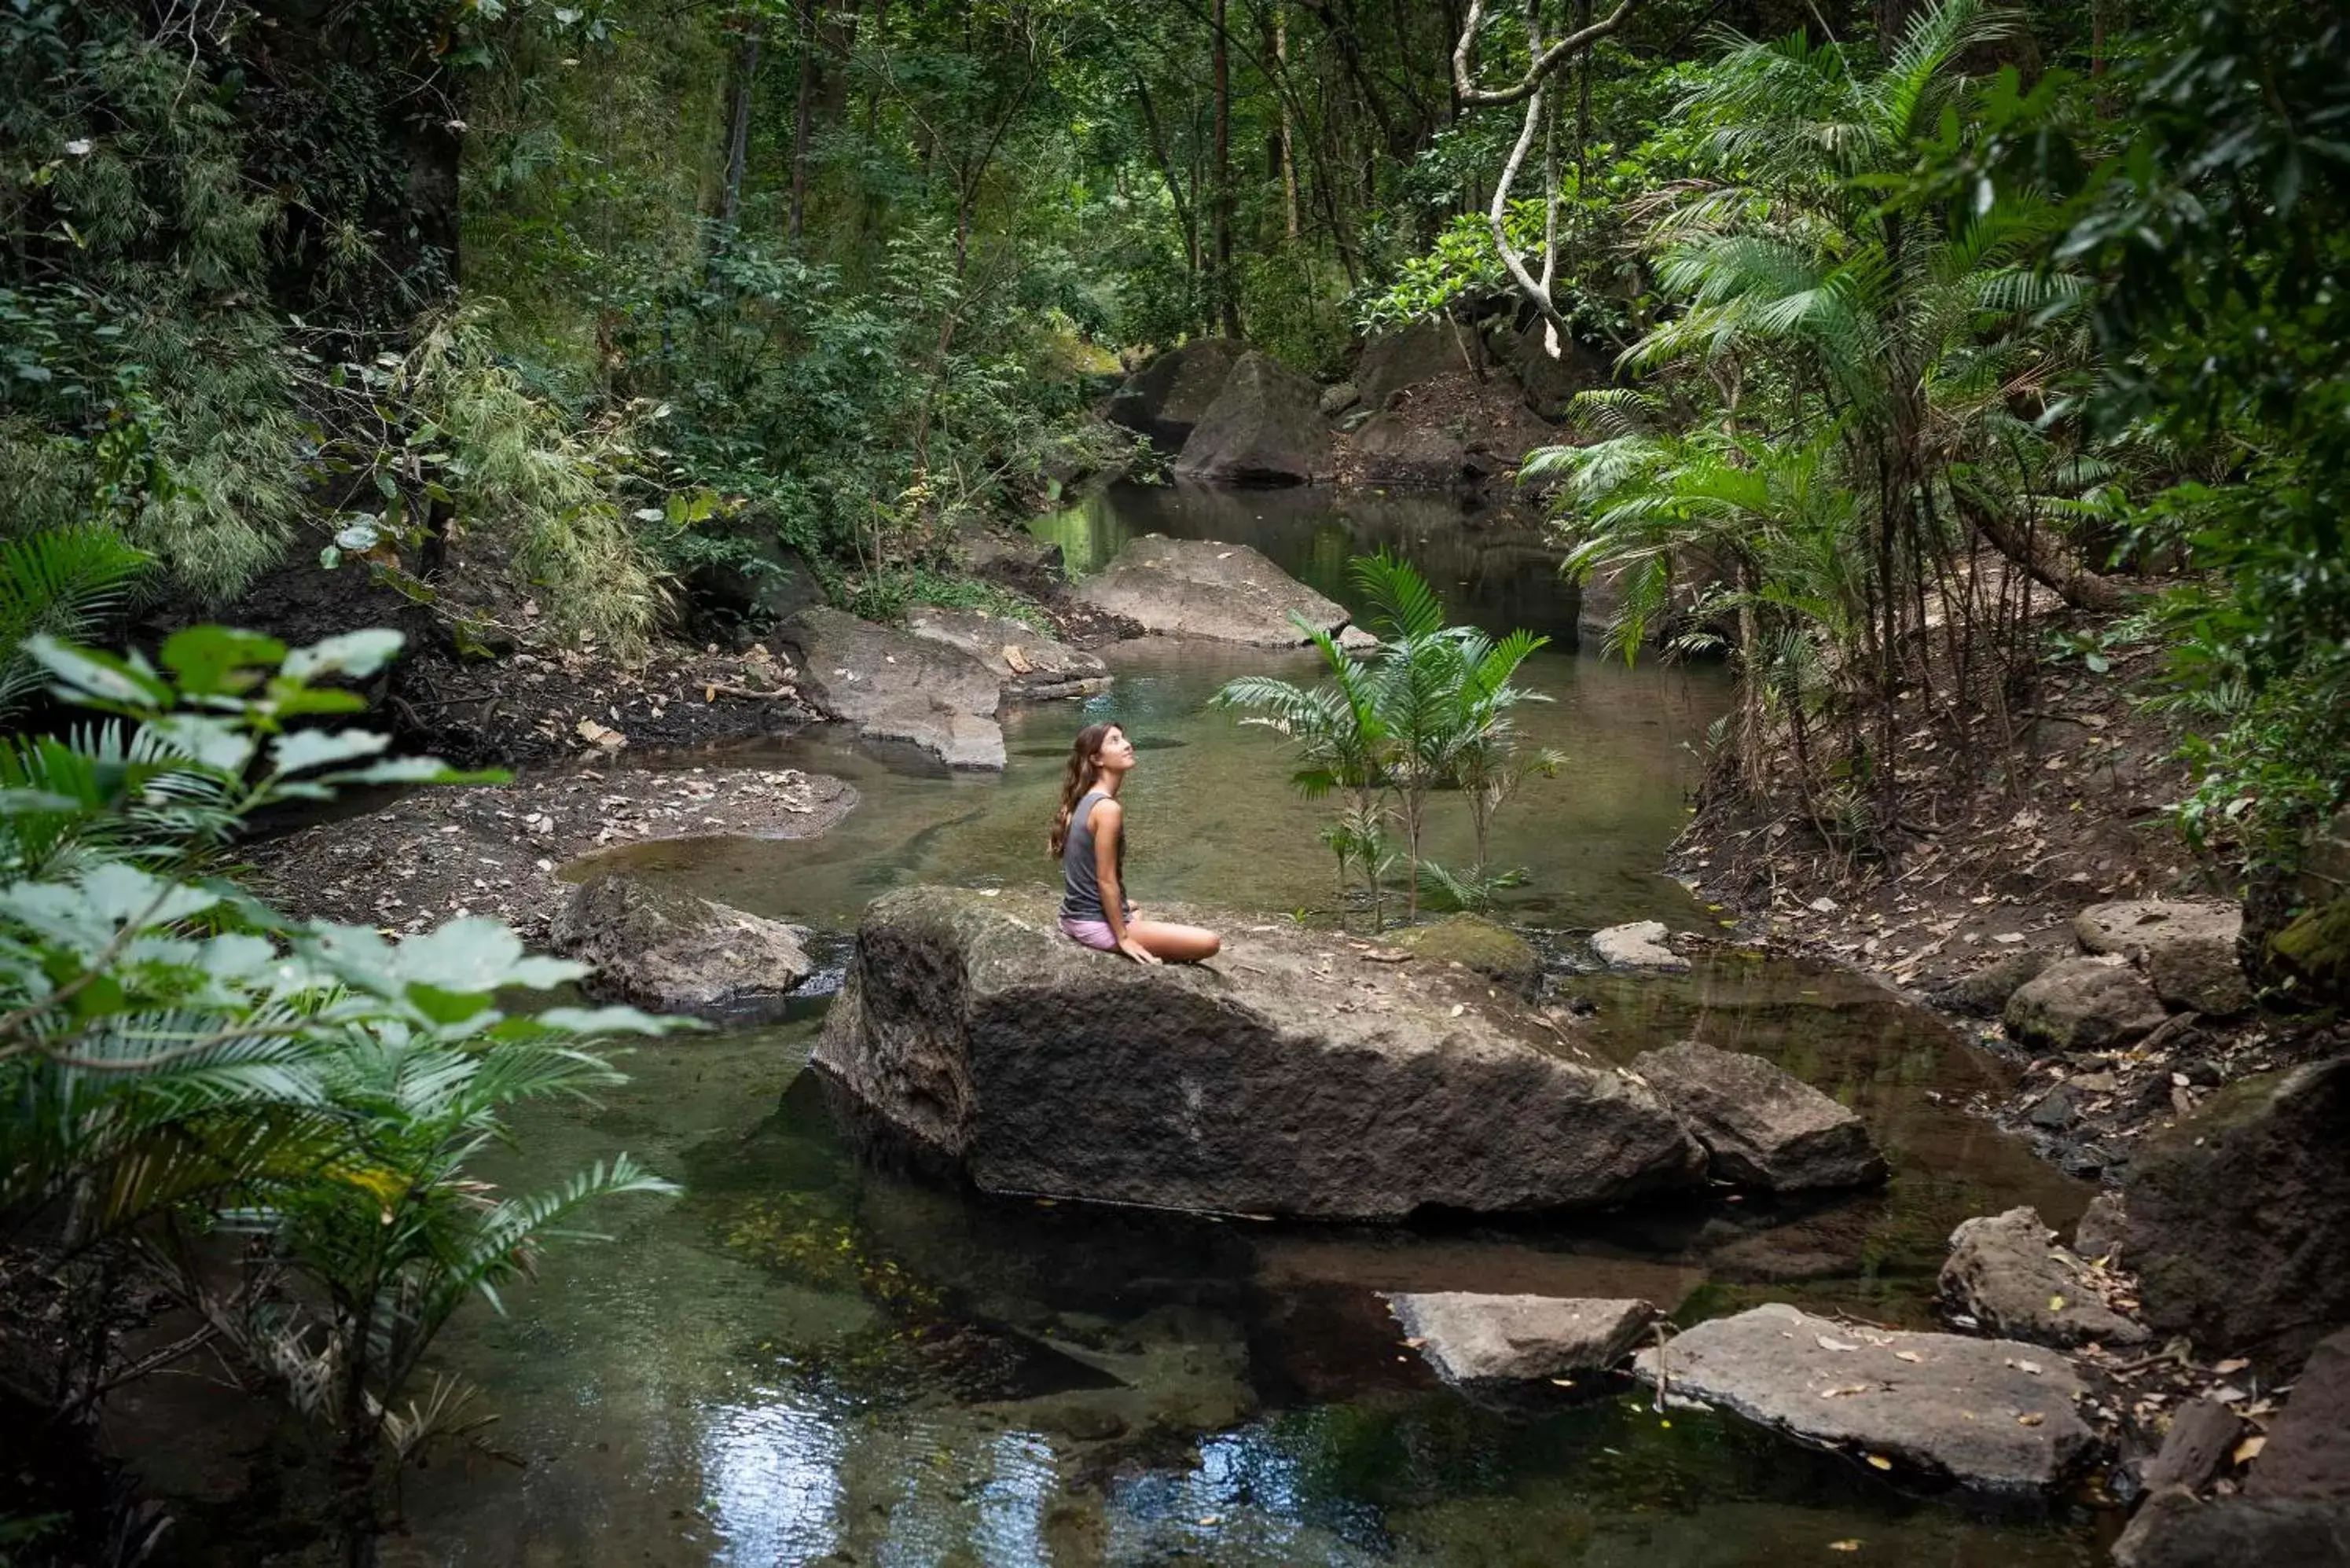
(1029, 665)
(1164, 399)
(1965, 1410)
(2082, 1004)
(2003, 1274)
(1487, 1343)
(673, 952)
(1639, 944)
(1762, 1126)
(1264, 428)
(2239, 1224)
(1287, 1077)
(2188, 949)
(898, 688)
(1197, 588)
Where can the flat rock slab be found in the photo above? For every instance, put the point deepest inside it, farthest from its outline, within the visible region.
(1028, 665)
(1199, 588)
(2082, 1004)
(1762, 1126)
(901, 690)
(2188, 948)
(2003, 1274)
(671, 952)
(1637, 944)
(1288, 1076)
(1493, 1343)
(1966, 1410)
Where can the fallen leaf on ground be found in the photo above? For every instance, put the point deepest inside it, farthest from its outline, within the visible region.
(2233, 1364)
(1841, 1390)
(2030, 1418)
(2249, 1448)
(1907, 1355)
(1828, 1343)
(1844, 1545)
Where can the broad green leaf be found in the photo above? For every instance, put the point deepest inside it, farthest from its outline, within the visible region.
(215, 744)
(306, 749)
(102, 676)
(353, 653)
(219, 660)
(611, 1020)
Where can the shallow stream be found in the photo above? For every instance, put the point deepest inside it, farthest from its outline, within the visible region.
(811, 1357)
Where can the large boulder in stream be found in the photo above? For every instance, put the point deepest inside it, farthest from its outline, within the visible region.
(1265, 427)
(1029, 665)
(671, 952)
(1989, 1413)
(1164, 399)
(1289, 1076)
(2005, 1274)
(1199, 588)
(900, 690)
(1762, 1126)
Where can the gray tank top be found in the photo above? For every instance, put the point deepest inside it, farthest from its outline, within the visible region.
(1081, 897)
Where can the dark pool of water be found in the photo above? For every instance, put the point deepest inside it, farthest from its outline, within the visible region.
(812, 1356)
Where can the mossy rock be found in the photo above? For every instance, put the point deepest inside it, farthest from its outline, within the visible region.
(1474, 942)
(2315, 950)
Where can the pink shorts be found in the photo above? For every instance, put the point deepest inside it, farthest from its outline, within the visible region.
(1095, 934)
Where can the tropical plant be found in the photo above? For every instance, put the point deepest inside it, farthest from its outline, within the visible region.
(177, 1059)
(57, 583)
(1876, 368)
(1427, 710)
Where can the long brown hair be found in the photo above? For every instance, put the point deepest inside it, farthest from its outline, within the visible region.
(1082, 774)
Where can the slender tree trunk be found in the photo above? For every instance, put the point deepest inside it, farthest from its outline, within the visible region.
(1288, 124)
(1228, 317)
(738, 139)
(800, 116)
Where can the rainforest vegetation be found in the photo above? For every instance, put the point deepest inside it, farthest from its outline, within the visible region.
(1942, 345)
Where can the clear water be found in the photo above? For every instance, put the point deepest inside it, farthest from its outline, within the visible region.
(812, 1357)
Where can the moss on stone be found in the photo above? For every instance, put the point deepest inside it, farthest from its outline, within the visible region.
(1477, 943)
(2315, 948)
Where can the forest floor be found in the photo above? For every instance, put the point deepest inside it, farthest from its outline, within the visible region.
(2008, 838)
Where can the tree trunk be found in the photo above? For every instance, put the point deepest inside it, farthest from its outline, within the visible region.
(793, 223)
(2046, 563)
(738, 131)
(1288, 125)
(1227, 306)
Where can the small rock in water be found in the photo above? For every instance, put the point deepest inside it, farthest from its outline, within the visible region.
(1639, 944)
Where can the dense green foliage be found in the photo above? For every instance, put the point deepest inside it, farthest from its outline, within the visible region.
(271, 1119)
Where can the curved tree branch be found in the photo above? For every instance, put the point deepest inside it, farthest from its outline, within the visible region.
(1544, 60)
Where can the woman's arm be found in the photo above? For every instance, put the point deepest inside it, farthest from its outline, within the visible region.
(1109, 820)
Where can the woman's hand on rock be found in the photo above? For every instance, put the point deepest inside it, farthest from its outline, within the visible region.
(1136, 951)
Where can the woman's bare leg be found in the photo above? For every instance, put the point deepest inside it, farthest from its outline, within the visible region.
(1176, 944)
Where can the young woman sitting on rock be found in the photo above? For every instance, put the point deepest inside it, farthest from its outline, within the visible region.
(1089, 835)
